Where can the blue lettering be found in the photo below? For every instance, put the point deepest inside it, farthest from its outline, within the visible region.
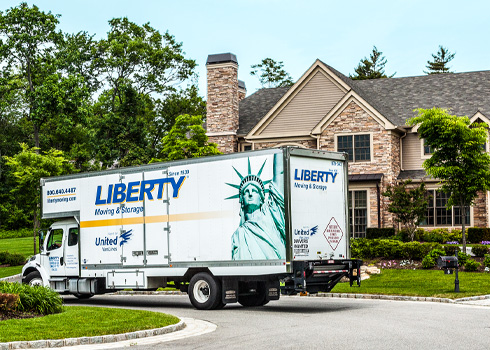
(98, 201)
(132, 190)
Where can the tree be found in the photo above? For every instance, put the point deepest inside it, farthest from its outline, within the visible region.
(439, 61)
(372, 68)
(458, 159)
(186, 139)
(408, 203)
(271, 74)
(29, 39)
(28, 167)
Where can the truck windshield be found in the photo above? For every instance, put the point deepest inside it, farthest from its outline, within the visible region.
(55, 239)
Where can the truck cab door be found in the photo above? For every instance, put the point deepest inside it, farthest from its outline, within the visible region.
(52, 257)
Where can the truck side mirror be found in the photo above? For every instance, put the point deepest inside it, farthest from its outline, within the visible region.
(41, 240)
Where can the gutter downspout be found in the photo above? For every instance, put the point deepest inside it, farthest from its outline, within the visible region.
(401, 150)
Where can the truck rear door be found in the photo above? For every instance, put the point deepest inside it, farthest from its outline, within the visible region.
(318, 206)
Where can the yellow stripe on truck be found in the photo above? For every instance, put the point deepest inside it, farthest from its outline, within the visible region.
(157, 219)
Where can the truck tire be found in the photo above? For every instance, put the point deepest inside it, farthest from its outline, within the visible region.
(34, 279)
(83, 296)
(205, 291)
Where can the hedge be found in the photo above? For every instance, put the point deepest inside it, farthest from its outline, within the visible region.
(374, 232)
(23, 232)
(12, 259)
(363, 248)
(478, 234)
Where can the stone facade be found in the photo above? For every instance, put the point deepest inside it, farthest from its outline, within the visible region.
(222, 105)
(385, 157)
(480, 210)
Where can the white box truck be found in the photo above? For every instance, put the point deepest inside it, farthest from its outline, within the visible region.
(242, 227)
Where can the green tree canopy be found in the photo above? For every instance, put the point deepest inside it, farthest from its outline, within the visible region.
(408, 203)
(372, 67)
(458, 159)
(186, 139)
(271, 74)
(440, 61)
(28, 167)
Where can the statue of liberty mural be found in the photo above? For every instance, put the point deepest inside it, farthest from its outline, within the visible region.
(261, 234)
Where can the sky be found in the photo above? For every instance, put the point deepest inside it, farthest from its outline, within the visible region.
(340, 33)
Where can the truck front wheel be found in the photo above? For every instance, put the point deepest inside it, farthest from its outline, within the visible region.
(205, 291)
(34, 279)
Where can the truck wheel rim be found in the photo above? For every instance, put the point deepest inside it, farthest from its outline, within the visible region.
(36, 282)
(201, 291)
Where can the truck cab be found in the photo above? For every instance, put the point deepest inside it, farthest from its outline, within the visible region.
(58, 258)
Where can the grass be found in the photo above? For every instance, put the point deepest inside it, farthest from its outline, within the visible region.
(81, 321)
(22, 246)
(424, 283)
(10, 271)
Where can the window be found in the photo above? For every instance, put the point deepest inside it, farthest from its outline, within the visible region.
(55, 239)
(73, 237)
(438, 215)
(358, 147)
(428, 150)
(358, 213)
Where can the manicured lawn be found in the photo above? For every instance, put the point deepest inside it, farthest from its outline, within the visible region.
(81, 321)
(24, 246)
(10, 271)
(425, 283)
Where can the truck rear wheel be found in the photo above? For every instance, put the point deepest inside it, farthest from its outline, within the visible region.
(83, 296)
(34, 279)
(204, 291)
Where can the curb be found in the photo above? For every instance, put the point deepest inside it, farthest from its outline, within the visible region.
(11, 278)
(101, 339)
(335, 295)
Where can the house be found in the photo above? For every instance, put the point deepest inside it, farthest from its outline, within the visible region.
(326, 110)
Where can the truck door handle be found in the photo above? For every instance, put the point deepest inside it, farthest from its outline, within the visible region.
(61, 261)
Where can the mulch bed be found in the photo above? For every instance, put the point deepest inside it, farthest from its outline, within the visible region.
(405, 264)
(11, 315)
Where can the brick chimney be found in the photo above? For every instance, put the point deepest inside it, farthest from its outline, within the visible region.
(242, 90)
(222, 103)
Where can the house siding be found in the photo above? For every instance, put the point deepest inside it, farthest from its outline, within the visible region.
(412, 152)
(306, 108)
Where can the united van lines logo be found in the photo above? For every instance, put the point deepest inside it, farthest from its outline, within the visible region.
(110, 244)
(333, 233)
(125, 237)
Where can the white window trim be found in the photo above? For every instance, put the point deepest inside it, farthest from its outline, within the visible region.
(471, 224)
(368, 193)
(336, 136)
(422, 153)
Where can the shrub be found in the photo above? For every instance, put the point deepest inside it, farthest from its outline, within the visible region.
(413, 250)
(8, 302)
(479, 250)
(12, 259)
(430, 259)
(403, 235)
(451, 249)
(38, 299)
(463, 258)
(374, 232)
(486, 261)
(471, 265)
(478, 234)
(23, 232)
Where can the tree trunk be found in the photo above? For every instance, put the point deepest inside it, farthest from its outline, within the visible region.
(463, 222)
(36, 227)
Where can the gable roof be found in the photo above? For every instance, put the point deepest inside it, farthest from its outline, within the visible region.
(254, 107)
(394, 98)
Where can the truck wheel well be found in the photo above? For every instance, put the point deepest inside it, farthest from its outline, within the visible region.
(195, 270)
(28, 271)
